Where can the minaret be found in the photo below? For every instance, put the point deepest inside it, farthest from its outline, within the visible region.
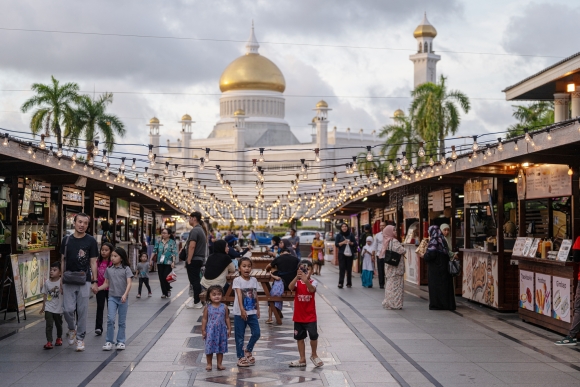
(322, 135)
(154, 133)
(187, 153)
(425, 59)
(239, 141)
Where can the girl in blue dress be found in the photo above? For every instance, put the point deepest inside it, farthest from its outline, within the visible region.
(215, 327)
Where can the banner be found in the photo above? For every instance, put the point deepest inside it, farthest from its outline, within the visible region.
(543, 294)
(561, 298)
(527, 290)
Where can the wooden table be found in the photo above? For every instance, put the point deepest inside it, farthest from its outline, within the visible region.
(264, 278)
(261, 262)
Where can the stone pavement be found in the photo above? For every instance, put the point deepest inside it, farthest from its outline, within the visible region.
(360, 343)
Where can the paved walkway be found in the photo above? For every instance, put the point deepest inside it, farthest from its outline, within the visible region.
(361, 345)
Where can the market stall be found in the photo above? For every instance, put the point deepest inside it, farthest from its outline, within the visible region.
(411, 237)
(101, 213)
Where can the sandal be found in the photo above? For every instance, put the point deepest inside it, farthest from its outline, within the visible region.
(251, 360)
(297, 364)
(317, 362)
(243, 362)
(269, 321)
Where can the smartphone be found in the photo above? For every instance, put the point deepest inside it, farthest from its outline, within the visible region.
(304, 268)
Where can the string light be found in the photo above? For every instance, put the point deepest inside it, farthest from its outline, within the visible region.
(152, 163)
(34, 155)
(549, 135)
(527, 136)
(201, 164)
(516, 145)
(176, 171)
(431, 161)
(5, 142)
(453, 153)
(570, 171)
(475, 147)
(146, 173)
(166, 169)
(261, 158)
(404, 161)
(74, 155)
(369, 153)
(29, 148)
(49, 155)
(122, 166)
(499, 145)
(150, 154)
(134, 166)
(104, 159)
(58, 151)
(206, 158)
(42, 144)
(354, 164)
(96, 148)
(317, 155)
(421, 152)
(443, 160)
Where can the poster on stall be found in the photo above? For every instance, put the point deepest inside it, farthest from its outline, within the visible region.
(548, 181)
(534, 248)
(34, 269)
(527, 246)
(561, 298)
(519, 246)
(526, 289)
(480, 278)
(564, 250)
(17, 282)
(543, 294)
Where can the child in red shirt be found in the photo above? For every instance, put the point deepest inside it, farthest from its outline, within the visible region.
(305, 313)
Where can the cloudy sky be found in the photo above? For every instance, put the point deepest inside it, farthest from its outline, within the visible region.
(485, 46)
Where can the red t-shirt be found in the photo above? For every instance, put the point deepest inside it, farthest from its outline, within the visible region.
(304, 303)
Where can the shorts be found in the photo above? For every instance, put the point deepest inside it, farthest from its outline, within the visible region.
(300, 330)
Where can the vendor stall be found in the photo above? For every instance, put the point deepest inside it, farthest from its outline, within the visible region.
(411, 238)
(102, 213)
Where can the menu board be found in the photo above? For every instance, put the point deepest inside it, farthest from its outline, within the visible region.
(17, 282)
(543, 294)
(519, 244)
(548, 181)
(438, 200)
(561, 298)
(526, 289)
(564, 250)
(475, 190)
(534, 248)
(411, 207)
(527, 246)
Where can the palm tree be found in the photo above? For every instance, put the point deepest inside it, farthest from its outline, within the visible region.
(401, 137)
(535, 115)
(436, 112)
(91, 119)
(55, 108)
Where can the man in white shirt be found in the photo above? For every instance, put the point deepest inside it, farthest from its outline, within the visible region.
(377, 246)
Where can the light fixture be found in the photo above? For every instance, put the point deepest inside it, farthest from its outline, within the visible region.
(369, 153)
(570, 171)
(152, 163)
(421, 152)
(453, 153)
(42, 144)
(499, 145)
(96, 148)
(206, 158)
(527, 136)
(134, 166)
(110, 186)
(549, 137)
(475, 147)
(104, 159)
(317, 155)
(261, 158)
(516, 145)
(29, 148)
(58, 151)
(570, 87)
(122, 166)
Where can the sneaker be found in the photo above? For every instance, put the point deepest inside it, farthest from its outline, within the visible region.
(567, 341)
(138, 296)
(168, 294)
(71, 337)
(48, 345)
(58, 342)
(108, 346)
(98, 332)
(80, 346)
(150, 294)
(189, 304)
(164, 296)
(120, 346)
(199, 305)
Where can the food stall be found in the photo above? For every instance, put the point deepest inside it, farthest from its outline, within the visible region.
(411, 237)
(102, 213)
(73, 202)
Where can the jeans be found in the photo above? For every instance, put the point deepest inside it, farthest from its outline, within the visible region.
(194, 276)
(164, 270)
(144, 281)
(240, 330)
(116, 306)
(76, 297)
(102, 297)
(51, 319)
(344, 265)
(575, 326)
(381, 270)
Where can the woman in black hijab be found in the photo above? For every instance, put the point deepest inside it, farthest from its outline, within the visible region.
(343, 239)
(441, 292)
(217, 267)
(286, 265)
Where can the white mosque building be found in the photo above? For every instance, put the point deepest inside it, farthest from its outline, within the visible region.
(252, 121)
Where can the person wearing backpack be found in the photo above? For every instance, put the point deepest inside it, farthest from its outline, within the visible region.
(346, 245)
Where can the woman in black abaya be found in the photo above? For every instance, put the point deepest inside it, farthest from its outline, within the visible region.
(441, 292)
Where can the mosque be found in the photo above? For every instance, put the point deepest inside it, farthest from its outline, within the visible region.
(253, 144)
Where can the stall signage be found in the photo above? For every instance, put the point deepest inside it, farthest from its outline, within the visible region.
(480, 274)
(564, 250)
(74, 197)
(17, 282)
(561, 298)
(526, 289)
(411, 207)
(548, 181)
(543, 294)
(102, 202)
(438, 200)
(519, 244)
(475, 190)
(364, 218)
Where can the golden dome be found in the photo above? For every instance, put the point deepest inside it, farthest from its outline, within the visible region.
(154, 120)
(252, 72)
(425, 29)
(399, 113)
(322, 104)
(186, 117)
(240, 112)
(314, 119)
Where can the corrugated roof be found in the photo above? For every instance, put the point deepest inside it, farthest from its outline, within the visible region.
(542, 71)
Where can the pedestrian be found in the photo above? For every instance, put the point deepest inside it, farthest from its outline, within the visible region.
(164, 253)
(106, 236)
(197, 252)
(103, 262)
(345, 243)
(217, 268)
(274, 250)
(118, 280)
(394, 275)
(380, 261)
(253, 238)
(143, 272)
(570, 339)
(218, 235)
(246, 313)
(79, 253)
(52, 305)
(305, 321)
(295, 241)
(368, 265)
(285, 264)
(317, 253)
(215, 327)
(441, 291)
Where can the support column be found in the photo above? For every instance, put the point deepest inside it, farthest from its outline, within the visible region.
(575, 104)
(240, 142)
(561, 101)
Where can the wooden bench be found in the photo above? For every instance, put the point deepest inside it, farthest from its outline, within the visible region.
(261, 263)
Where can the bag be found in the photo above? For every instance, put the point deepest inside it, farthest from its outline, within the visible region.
(347, 251)
(454, 267)
(183, 253)
(72, 277)
(422, 248)
(391, 257)
(171, 277)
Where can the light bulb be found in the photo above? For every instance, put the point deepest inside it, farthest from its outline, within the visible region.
(475, 146)
(85, 167)
(570, 171)
(104, 159)
(549, 136)
(443, 159)
(74, 156)
(73, 165)
(206, 158)
(527, 136)
(421, 152)
(317, 155)
(499, 145)
(261, 159)
(146, 174)
(92, 170)
(58, 151)
(34, 155)
(107, 169)
(453, 153)
(90, 160)
(42, 144)
(152, 163)
(150, 155)
(369, 154)
(391, 168)
(96, 148)
(404, 162)
(431, 161)
(398, 165)
(29, 148)
(122, 166)
(516, 146)
(134, 166)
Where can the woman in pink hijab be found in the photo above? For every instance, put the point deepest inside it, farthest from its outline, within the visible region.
(394, 274)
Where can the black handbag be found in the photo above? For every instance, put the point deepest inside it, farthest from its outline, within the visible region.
(72, 277)
(391, 257)
(454, 267)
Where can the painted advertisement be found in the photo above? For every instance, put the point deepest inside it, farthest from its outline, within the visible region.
(480, 278)
(17, 282)
(561, 298)
(34, 269)
(526, 289)
(543, 294)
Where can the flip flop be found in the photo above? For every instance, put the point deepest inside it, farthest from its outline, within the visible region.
(317, 362)
(269, 322)
(297, 364)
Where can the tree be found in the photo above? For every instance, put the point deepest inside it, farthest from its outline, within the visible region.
(55, 108)
(401, 137)
(435, 112)
(91, 119)
(534, 115)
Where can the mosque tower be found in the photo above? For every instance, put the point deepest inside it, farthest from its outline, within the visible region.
(425, 60)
